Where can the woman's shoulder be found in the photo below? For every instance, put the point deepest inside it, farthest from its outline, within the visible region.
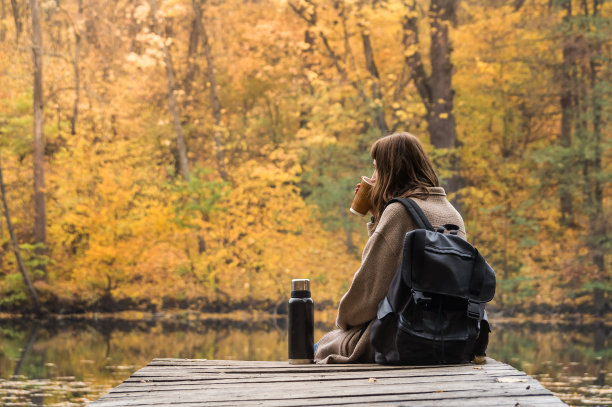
(436, 207)
(440, 211)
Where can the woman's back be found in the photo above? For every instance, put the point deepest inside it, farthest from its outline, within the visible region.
(380, 260)
(401, 169)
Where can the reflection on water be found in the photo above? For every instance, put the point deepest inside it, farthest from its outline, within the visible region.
(61, 362)
(57, 362)
(573, 362)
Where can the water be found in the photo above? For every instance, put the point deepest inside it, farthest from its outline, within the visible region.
(72, 362)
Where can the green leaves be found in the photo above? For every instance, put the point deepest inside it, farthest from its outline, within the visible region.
(196, 197)
(33, 259)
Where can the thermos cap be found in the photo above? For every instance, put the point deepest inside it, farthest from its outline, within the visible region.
(300, 285)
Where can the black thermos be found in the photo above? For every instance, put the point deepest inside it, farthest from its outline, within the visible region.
(301, 323)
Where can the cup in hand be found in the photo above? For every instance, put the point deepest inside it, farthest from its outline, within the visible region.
(361, 203)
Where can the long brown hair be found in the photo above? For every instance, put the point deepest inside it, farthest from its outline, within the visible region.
(403, 170)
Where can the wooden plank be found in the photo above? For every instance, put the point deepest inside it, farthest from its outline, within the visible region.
(311, 368)
(331, 367)
(340, 387)
(226, 365)
(328, 383)
(518, 401)
(296, 380)
(457, 398)
(179, 375)
(287, 369)
(485, 401)
(408, 377)
(430, 392)
(242, 383)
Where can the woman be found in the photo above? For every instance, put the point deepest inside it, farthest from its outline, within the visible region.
(401, 169)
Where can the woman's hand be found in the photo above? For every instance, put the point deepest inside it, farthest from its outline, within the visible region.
(357, 189)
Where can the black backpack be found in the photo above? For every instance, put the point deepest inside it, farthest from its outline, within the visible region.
(434, 311)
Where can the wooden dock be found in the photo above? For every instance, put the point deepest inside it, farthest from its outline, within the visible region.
(194, 382)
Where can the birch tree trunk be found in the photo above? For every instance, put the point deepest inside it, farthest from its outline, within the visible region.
(180, 138)
(211, 73)
(40, 212)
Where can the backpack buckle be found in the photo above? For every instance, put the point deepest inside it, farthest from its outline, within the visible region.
(420, 298)
(473, 310)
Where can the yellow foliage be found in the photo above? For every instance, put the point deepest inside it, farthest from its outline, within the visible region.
(294, 125)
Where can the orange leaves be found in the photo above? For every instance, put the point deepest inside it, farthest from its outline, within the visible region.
(295, 128)
(263, 235)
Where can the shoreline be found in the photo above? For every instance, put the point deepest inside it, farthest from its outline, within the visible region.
(325, 316)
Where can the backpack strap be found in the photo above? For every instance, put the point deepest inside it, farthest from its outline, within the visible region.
(476, 309)
(415, 212)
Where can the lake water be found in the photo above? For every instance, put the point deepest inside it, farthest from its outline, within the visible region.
(71, 362)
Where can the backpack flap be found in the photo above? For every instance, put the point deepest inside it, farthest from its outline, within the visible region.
(482, 285)
(446, 264)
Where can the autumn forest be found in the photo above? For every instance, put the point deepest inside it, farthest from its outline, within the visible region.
(202, 153)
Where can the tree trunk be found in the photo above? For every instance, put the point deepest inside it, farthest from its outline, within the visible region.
(377, 96)
(378, 109)
(442, 129)
(412, 56)
(192, 67)
(3, 29)
(15, 244)
(597, 221)
(567, 97)
(441, 120)
(307, 58)
(75, 67)
(211, 73)
(180, 139)
(436, 91)
(40, 215)
(17, 18)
